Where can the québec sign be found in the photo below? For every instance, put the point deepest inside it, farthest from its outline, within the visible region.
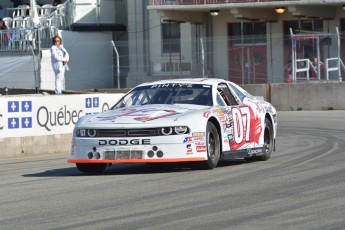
(48, 115)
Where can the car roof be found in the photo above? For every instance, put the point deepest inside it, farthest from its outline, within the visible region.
(208, 81)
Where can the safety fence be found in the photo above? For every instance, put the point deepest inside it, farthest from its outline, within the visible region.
(22, 39)
(244, 60)
(204, 2)
(249, 59)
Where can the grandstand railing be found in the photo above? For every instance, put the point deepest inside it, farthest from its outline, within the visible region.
(22, 33)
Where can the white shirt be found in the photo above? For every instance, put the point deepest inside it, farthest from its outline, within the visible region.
(58, 56)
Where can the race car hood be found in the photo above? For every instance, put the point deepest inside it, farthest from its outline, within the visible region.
(152, 114)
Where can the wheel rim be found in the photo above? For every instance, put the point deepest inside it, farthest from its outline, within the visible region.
(211, 145)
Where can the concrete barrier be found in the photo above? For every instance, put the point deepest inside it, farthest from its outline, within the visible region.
(14, 147)
(308, 96)
(302, 96)
(258, 90)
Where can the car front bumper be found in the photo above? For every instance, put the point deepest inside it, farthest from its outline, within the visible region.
(137, 150)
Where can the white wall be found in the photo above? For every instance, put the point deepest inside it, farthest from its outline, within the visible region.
(18, 71)
(220, 45)
(91, 60)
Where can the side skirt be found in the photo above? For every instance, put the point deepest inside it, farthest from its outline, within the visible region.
(242, 154)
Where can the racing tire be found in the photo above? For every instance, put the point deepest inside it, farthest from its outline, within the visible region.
(91, 168)
(268, 141)
(212, 147)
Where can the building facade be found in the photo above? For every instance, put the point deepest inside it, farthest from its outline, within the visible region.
(244, 41)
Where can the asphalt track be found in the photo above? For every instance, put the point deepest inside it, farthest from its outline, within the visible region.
(301, 187)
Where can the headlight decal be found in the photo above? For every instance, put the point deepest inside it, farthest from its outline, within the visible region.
(181, 130)
(148, 132)
(167, 131)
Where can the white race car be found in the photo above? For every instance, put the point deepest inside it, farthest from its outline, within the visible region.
(185, 120)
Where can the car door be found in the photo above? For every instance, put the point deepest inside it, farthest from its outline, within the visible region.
(238, 119)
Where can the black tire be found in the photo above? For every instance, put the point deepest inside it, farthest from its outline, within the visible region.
(91, 168)
(268, 141)
(213, 147)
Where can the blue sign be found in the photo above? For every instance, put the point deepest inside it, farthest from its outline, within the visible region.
(13, 106)
(88, 103)
(13, 123)
(26, 122)
(26, 106)
(95, 102)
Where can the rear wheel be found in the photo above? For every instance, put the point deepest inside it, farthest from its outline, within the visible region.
(268, 141)
(212, 147)
(91, 168)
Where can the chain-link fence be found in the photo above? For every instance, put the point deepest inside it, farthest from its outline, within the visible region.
(242, 59)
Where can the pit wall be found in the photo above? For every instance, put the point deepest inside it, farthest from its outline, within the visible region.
(302, 96)
(42, 124)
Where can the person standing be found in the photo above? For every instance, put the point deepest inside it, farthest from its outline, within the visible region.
(59, 58)
(314, 68)
(288, 73)
(4, 35)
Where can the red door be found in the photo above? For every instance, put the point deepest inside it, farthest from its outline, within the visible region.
(247, 56)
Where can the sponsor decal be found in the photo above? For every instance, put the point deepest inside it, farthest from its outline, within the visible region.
(230, 137)
(140, 114)
(220, 113)
(187, 140)
(125, 142)
(149, 118)
(255, 151)
(201, 148)
(198, 138)
(206, 114)
(198, 134)
(177, 85)
(200, 143)
(189, 149)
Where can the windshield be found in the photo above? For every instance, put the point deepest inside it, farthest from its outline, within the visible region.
(171, 93)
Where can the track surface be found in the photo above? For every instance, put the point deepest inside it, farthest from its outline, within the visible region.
(302, 186)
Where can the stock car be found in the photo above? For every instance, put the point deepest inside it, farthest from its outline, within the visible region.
(201, 121)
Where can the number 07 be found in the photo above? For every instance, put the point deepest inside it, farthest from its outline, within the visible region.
(241, 118)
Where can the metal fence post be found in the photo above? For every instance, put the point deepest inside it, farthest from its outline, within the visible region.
(117, 63)
(339, 57)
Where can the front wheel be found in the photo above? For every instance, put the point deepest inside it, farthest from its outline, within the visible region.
(91, 168)
(213, 147)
